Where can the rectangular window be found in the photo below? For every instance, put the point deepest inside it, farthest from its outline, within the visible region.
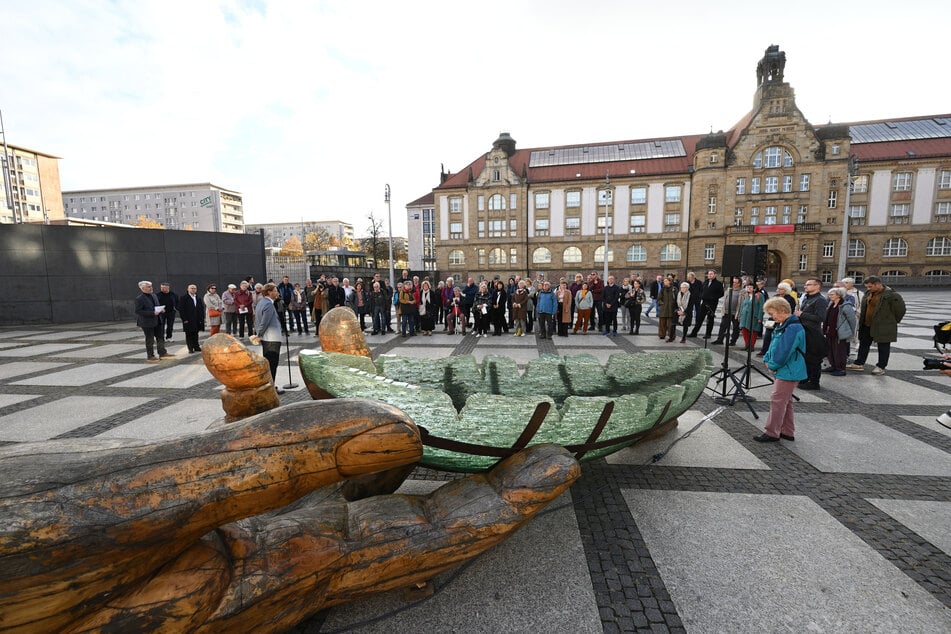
(572, 226)
(709, 251)
(754, 185)
(787, 212)
(481, 226)
(835, 149)
(899, 214)
(860, 184)
(741, 186)
(513, 227)
(480, 202)
(671, 222)
(828, 249)
(541, 226)
(605, 197)
(541, 200)
(572, 199)
(787, 184)
(497, 229)
(513, 201)
(481, 257)
(601, 223)
(833, 197)
(513, 256)
(771, 184)
(638, 223)
(672, 194)
(455, 205)
(857, 215)
(638, 195)
(773, 155)
(803, 262)
(901, 182)
(712, 205)
(804, 182)
(738, 212)
(754, 216)
(944, 179)
(455, 230)
(942, 212)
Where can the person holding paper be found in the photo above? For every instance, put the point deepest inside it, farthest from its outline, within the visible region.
(242, 302)
(149, 316)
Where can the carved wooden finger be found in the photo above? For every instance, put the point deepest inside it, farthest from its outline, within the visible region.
(237, 367)
(81, 521)
(340, 332)
(344, 551)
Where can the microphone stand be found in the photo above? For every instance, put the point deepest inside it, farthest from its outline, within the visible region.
(287, 344)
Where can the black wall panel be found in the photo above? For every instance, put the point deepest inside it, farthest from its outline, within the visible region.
(61, 274)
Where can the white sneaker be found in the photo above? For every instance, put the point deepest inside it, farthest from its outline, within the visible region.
(877, 371)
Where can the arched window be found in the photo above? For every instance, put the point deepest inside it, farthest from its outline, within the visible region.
(456, 257)
(895, 248)
(856, 249)
(599, 254)
(497, 256)
(496, 202)
(637, 253)
(572, 255)
(939, 276)
(938, 246)
(670, 253)
(890, 276)
(541, 255)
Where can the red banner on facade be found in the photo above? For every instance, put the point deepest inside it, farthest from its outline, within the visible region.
(774, 229)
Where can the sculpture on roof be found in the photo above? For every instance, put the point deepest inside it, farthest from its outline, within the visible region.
(769, 70)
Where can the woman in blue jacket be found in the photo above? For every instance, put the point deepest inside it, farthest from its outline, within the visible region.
(785, 360)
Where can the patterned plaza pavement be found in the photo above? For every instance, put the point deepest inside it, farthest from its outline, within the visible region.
(847, 529)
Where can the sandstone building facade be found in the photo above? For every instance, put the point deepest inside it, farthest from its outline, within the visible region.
(672, 204)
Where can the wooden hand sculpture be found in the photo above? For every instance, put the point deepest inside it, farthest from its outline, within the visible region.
(236, 529)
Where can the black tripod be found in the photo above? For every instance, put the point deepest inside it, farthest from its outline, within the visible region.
(725, 376)
(745, 378)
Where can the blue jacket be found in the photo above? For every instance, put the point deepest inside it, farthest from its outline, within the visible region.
(545, 302)
(785, 355)
(469, 293)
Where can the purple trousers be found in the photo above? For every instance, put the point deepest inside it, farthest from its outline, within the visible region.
(780, 419)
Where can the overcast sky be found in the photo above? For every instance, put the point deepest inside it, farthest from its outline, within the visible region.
(309, 108)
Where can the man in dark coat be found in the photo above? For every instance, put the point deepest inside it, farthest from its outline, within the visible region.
(170, 300)
(151, 322)
(882, 310)
(191, 308)
(710, 294)
(812, 307)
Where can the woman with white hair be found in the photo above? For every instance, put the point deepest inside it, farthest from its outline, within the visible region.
(783, 290)
(838, 326)
(684, 312)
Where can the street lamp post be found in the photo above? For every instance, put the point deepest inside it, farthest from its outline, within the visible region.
(607, 192)
(844, 240)
(389, 214)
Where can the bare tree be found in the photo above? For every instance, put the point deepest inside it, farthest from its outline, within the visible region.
(376, 244)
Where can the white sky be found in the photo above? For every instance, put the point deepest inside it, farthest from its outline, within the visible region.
(309, 108)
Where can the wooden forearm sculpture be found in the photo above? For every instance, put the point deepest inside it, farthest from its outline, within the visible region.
(240, 528)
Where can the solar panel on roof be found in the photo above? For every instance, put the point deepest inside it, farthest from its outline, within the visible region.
(934, 128)
(607, 153)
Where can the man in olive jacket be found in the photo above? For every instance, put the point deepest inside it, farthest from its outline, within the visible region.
(882, 309)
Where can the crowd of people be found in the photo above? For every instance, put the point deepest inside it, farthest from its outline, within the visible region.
(849, 319)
